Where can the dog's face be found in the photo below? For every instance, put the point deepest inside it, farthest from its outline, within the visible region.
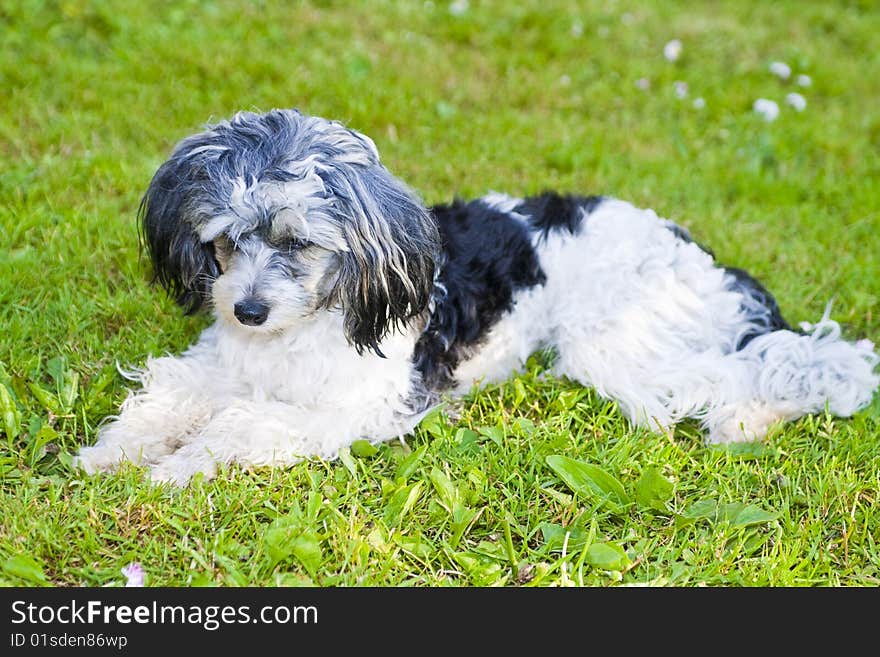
(273, 218)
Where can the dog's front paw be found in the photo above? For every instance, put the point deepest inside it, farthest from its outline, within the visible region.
(99, 458)
(178, 469)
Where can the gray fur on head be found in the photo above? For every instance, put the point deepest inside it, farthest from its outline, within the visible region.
(288, 178)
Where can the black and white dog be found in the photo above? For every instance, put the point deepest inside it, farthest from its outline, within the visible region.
(345, 309)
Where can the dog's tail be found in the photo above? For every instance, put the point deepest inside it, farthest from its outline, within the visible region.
(787, 374)
(811, 370)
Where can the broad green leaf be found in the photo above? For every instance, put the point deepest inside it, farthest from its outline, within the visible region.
(401, 502)
(554, 537)
(467, 440)
(347, 461)
(65, 458)
(416, 544)
(520, 393)
(589, 480)
(490, 549)
(313, 506)
(278, 542)
(231, 569)
(47, 400)
(25, 567)
(378, 540)
(607, 556)
(409, 465)
(285, 538)
(307, 549)
(699, 510)
(363, 449)
(57, 368)
(567, 400)
(11, 414)
(481, 570)
(748, 451)
(433, 423)
(495, 434)
(524, 425)
(95, 391)
(738, 514)
(201, 580)
(653, 490)
(445, 489)
(744, 515)
(462, 518)
(293, 580)
(70, 390)
(45, 435)
(37, 448)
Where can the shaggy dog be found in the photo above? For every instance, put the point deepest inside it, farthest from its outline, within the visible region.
(345, 309)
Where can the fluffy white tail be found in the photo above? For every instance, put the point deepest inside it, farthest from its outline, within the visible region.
(812, 370)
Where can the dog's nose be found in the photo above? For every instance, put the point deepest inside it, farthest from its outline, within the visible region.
(251, 312)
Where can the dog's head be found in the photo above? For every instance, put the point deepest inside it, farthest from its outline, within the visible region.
(272, 218)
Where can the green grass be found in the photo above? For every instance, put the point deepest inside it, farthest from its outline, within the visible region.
(508, 96)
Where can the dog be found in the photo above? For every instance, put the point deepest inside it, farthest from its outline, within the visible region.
(345, 309)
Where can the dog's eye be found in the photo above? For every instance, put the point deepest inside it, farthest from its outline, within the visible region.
(295, 244)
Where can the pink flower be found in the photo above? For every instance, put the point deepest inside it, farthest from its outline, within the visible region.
(134, 574)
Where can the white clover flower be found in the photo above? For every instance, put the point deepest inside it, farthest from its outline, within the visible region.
(672, 50)
(804, 80)
(699, 103)
(768, 109)
(797, 101)
(134, 574)
(565, 80)
(643, 83)
(577, 29)
(458, 7)
(681, 89)
(780, 70)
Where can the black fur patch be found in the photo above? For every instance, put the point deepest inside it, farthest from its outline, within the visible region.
(745, 284)
(487, 256)
(685, 236)
(748, 286)
(550, 210)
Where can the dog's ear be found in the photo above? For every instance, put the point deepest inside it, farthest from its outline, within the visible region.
(182, 264)
(386, 277)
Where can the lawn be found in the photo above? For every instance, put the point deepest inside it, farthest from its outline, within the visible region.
(536, 482)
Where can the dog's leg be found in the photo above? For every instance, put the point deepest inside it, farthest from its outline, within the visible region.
(253, 433)
(248, 433)
(174, 402)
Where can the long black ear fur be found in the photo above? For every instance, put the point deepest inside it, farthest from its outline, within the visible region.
(183, 265)
(387, 276)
